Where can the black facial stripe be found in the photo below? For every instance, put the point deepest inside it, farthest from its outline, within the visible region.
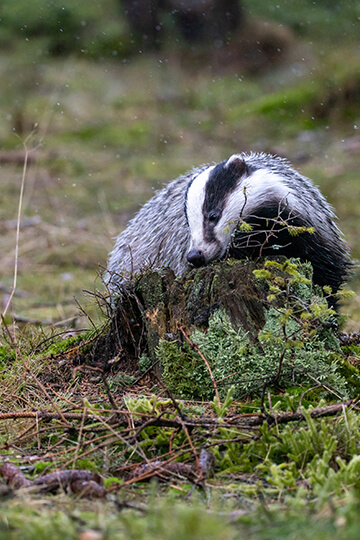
(219, 184)
(209, 234)
(222, 181)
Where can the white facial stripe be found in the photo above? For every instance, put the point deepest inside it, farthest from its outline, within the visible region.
(263, 186)
(195, 201)
(257, 190)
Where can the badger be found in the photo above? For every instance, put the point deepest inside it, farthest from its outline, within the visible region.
(249, 205)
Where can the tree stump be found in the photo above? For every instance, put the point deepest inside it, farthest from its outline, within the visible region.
(219, 327)
(156, 304)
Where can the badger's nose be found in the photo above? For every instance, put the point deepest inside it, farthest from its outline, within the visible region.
(196, 257)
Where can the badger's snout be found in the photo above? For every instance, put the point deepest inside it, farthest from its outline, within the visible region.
(196, 257)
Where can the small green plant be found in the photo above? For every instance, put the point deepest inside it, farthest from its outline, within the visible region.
(222, 409)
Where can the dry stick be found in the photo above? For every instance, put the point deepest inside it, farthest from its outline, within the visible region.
(73, 405)
(181, 419)
(173, 400)
(98, 447)
(196, 455)
(77, 448)
(65, 451)
(180, 451)
(159, 466)
(30, 433)
(15, 397)
(326, 387)
(25, 433)
(241, 421)
(196, 348)
(45, 415)
(38, 432)
(306, 392)
(227, 376)
(59, 334)
(18, 227)
(108, 391)
(147, 423)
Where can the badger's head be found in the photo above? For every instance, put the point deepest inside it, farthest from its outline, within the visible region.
(222, 194)
(212, 206)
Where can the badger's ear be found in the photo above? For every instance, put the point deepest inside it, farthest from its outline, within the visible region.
(236, 165)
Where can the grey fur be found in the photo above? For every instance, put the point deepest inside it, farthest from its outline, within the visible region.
(159, 235)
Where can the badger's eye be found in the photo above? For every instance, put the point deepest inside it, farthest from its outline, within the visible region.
(213, 216)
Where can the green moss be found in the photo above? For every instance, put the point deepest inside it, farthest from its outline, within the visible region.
(350, 373)
(295, 345)
(351, 350)
(7, 354)
(150, 287)
(66, 344)
(234, 360)
(183, 372)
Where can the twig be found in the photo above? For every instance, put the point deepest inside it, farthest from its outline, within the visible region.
(325, 386)
(84, 415)
(108, 391)
(193, 449)
(84, 312)
(174, 402)
(307, 391)
(196, 348)
(18, 228)
(242, 421)
(278, 372)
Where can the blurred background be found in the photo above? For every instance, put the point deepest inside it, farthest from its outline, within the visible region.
(114, 98)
